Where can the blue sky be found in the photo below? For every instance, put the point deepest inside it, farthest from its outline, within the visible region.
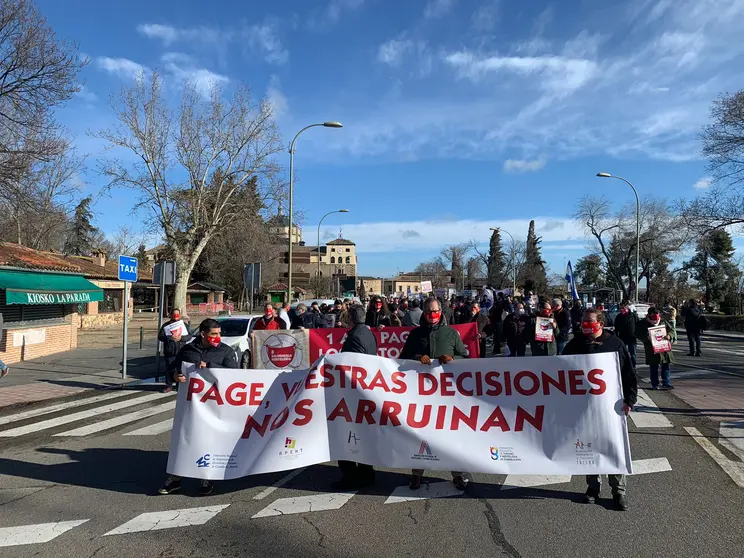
(458, 115)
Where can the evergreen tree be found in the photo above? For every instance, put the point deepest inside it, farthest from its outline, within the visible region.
(496, 261)
(533, 275)
(79, 241)
(589, 271)
(712, 267)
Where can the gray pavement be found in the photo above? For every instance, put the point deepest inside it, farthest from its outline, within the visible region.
(109, 478)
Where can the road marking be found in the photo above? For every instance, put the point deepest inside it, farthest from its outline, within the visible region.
(281, 482)
(153, 429)
(59, 421)
(305, 504)
(732, 437)
(655, 465)
(646, 413)
(63, 406)
(731, 468)
(527, 481)
(34, 534)
(118, 421)
(170, 519)
(427, 491)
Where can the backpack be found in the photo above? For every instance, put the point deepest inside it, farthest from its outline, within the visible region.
(702, 323)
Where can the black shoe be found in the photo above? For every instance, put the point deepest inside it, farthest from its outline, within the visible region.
(591, 496)
(170, 486)
(668, 386)
(206, 488)
(621, 502)
(698, 354)
(345, 484)
(460, 483)
(690, 354)
(366, 480)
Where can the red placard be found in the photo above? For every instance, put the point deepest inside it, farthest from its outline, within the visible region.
(390, 340)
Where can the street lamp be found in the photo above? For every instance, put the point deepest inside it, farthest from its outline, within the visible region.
(514, 263)
(321, 221)
(331, 124)
(638, 227)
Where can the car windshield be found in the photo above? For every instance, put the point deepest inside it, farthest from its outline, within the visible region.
(234, 328)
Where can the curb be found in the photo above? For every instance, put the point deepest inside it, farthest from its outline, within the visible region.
(718, 334)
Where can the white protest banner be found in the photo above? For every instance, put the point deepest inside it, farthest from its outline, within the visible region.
(547, 415)
(544, 329)
(281, 349)
(176, 328)
(426, 287)
(659, 340)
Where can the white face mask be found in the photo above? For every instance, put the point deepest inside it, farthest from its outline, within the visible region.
(520, 311)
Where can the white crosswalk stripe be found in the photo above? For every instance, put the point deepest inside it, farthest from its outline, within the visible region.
(118, 421)
(170, 519)
(34, 534)
(153, 429)
(82, 415)
(62, 407)
(646, 413)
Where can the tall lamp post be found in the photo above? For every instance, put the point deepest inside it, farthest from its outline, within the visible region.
(291, 197)
(514, 263)
(321, 221)
(638, 227)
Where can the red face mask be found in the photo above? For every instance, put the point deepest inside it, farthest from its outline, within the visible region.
(378, 305)
(433, 317)
(545, 313)
(623, 310)
(590, 328)
(176, 317)
(214, 341)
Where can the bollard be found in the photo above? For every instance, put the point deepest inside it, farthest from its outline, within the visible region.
(142, 336)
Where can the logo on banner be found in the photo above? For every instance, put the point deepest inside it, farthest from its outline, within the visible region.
(203, 461)
(218, 461)
(495, 454)
(353, 438)
(502, 453)
(281, 351)
(584, 453)
(425, 453)
(289, 443)
(291, 449)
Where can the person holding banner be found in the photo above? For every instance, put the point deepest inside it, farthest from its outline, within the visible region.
(207, 351)
(359, 340)
(434, 340)
(656, 336)
(595, 339)
(544, 332)
(173, 340)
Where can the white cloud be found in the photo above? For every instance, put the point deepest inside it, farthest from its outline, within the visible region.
(438, 233)
(438, 8)
(183, 68)
(86, 95)
(264, 39)
(277, 98)
(703, 183)
(165, 33)
(558, 72)
(516, 165)
(392, 51)
(336, 8)
(486, 16)
(122, 67)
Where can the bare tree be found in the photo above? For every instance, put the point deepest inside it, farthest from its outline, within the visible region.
(455, 256)
(222, 148)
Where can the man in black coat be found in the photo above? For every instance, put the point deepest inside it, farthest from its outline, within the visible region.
(206, 351)
(595, 340)
(625, 326)
(359, 340)
(171, 345)
(692, 314)
(563, 320)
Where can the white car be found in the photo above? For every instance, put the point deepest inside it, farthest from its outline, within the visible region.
(641, 311)
(236, 332)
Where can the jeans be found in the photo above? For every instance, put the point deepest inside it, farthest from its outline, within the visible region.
(632, 350)
(617, 483)
(666, 378)
(695, 340)
(561, 345)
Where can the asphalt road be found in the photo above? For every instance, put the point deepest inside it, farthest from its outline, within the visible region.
(106, 479)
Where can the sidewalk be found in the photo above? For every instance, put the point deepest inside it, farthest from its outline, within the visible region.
(737, 335)
(73, 372)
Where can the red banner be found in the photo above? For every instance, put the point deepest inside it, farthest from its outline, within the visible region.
(390, 340)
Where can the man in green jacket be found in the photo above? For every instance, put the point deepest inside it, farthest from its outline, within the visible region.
(656, 360)
(434, 340)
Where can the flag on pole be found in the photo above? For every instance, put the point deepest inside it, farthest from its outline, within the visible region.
(571, 282)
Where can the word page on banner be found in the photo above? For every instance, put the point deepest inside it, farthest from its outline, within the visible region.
(390, 340)
(532, 416)
(281, 350)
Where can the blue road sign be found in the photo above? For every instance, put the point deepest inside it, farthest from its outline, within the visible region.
(128, 269)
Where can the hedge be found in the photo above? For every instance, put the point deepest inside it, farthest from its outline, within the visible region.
(719, 322)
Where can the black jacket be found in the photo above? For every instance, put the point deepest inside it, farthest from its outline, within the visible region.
(308, 320)
(563, 319)
(375, 319)
(483, 323)
(692, 319)
(360, 340)
(214, 357)
(625, 326)
(433, 342)
(170, 346)
(607, 343)
(517, 329)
